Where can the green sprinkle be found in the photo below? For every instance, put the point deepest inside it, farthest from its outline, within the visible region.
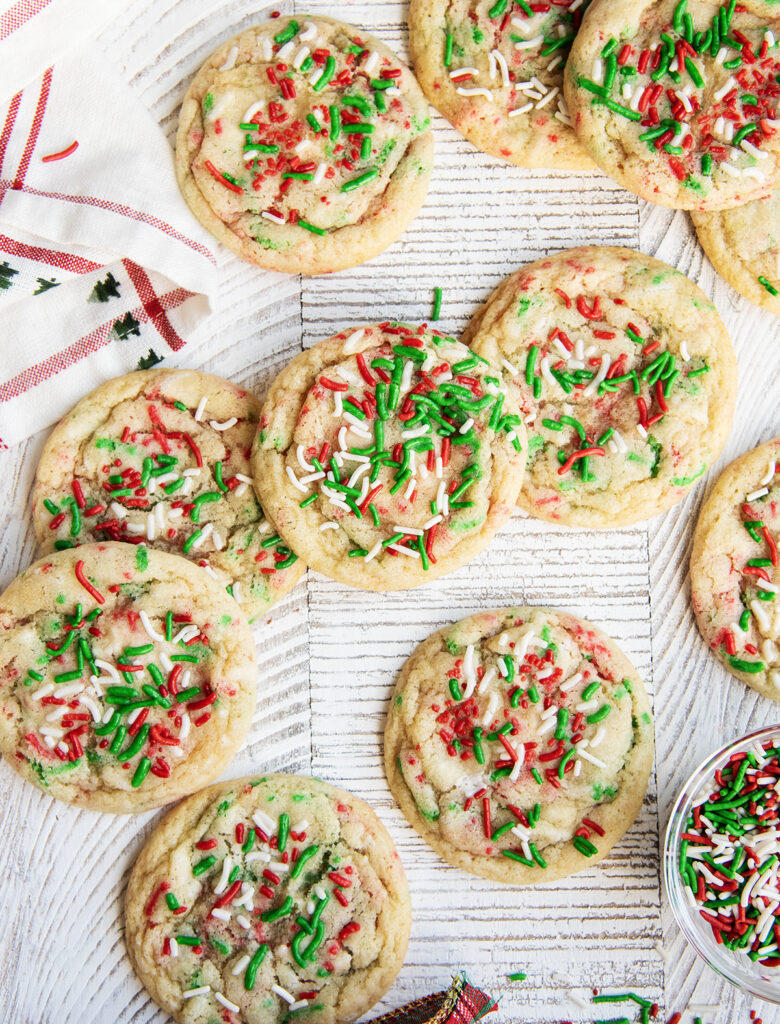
(283, 910)
(252, 967)
(335, 122)
(362, 179)
(328, 71)
(750, 667)
(311, 227)
(437, 297)
(768, 285)
(284, 831)
(455, 690)
(600, 715)
(517, 976)
(141, 772)
(287, 33)
(314, 123)
(448, 45)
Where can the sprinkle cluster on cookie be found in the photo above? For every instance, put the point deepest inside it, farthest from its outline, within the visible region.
(750, 643)
(703, 99)
(511, 54)
(540, 730)
(117, 688)
(170, 475)
(276, 906)
(325, 122)
(395, 443)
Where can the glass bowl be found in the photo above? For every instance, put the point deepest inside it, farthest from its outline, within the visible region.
(733, 965)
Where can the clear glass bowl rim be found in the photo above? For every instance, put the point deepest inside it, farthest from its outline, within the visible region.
(725, 963)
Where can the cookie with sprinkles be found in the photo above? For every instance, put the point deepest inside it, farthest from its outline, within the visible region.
(127, 677)
(678, 100)
(519, 744)
(494, 69)
(735, 578)
(625, 376)
(304, 145)
(388, 455)
(743, 245)
(161, 458)
(265, 900)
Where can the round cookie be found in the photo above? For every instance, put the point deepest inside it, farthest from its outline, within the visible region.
(698, 137)
(268, 896)
(495, 71)
(304, 145)
(519, 744)
(625, 376)
(735, 578)
(388, 456)
(127, 677)
(743, 245)
(161, 457)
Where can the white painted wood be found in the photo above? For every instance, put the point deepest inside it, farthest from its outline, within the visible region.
(328, 656)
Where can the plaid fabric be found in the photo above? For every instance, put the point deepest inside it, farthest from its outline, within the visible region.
(462, 1003)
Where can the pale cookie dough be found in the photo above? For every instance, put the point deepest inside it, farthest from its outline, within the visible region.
(127, 677)
(697, 137)
(304, 145)
(389, 455)
(161, 457)
(494, 69)
(735, 580)
(625, 376)
(268, 900)
(519, 744)
(743, 245)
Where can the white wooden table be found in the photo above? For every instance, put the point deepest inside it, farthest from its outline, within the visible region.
(328, 656)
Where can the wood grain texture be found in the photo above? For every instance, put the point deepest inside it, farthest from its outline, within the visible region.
(328, 658)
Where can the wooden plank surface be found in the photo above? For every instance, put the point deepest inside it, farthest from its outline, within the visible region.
(328, 657)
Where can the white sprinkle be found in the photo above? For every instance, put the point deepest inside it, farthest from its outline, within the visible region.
(641, 431)
(319, 174)
(329, 526)
(275, 217)
(404, 551)
(730, 169)
(264, 822)
(148, 628)
(597, 74)
(220, 914)
(226, 425)
(755, 495)
(205, 532)
(748, 147)
(546, 99)
(432, 522)
(231, 59)
(590, 757)
(227, 867)
(249, 113)
(201, 407)
(491, 708)
(466, 426)
(286, 50)
(43, 692)
(192, 992)
(295, 481)
(474, 92)
(529, 44)
(520, 110)
(372, 63)
(753, 172)
(555, 62)
(186, 723)
(244, 923)
(508, 366)
(301, 56)
(374, 551)
(283, 993)
(602, 373)
(500, 60)
(309, 32)
(352, 344)
(226, 1002)
(299, 1004)
(464, 73)
(770, 473)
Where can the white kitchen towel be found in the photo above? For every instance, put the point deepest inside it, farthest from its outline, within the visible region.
(89, 207)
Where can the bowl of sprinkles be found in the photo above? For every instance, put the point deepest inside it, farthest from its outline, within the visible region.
(722, 861)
